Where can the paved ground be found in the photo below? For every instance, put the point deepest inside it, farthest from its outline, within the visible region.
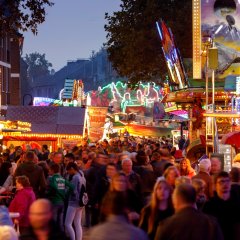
(86, 233)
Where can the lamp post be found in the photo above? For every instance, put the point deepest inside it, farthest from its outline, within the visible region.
(207, 43)
(213, 65)
(211, 54)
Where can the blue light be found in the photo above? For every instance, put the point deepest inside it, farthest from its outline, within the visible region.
(159, 31)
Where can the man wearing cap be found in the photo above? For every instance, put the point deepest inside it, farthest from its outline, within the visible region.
(205, 167)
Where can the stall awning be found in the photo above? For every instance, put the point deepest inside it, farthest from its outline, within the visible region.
(50, 119)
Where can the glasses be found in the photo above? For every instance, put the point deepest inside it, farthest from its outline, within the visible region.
(223, 181)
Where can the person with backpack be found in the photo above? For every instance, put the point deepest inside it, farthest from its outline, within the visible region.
(75, 204)
(58, 190)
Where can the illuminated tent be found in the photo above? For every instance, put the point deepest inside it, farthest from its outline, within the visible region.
(51, 120)
(54, 126)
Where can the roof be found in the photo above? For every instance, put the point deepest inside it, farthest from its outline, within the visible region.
(49, 119)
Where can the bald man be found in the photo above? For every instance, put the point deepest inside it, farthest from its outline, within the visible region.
(188, 222)
(41, 221)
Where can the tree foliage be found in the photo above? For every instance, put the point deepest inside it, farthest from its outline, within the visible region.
(38, 66)
(133, 43)
(22, 14)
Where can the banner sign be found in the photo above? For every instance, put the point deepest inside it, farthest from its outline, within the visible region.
(95, 122)
(220, 20)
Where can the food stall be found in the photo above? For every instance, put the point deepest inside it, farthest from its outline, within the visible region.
(57, 127)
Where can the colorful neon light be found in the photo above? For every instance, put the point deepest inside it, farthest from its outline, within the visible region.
(172, 55)
(119, 96)
(197, 39)
(41, 101)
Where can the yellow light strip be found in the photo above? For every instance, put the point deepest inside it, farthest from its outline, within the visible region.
(43, 135)
(16, 125)
(197, 39)
(222, 115)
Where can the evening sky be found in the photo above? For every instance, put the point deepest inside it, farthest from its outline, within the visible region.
(72, 30)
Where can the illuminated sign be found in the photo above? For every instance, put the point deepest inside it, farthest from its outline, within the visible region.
(197, 39)
(96, 119)
(170, 106)
(41, 101)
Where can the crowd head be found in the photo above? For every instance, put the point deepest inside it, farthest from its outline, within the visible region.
(40, 214)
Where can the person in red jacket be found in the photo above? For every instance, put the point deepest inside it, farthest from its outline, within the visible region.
(21, 202)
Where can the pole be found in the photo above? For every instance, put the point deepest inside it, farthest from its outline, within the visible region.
(207, 77)
(190, 129)
(207, 65)
(213, 90)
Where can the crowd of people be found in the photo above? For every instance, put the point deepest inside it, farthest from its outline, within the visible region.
(137, 189)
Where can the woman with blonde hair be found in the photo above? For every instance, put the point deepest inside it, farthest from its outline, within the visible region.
(185, 168)
(120, 183)
(158, 209)
(171, 174)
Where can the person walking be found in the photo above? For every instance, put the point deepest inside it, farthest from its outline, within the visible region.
(58, 190)
(22, 201)
(42, 226)
(204, 174)
(225, 207)
(116, 226)
(74, 211)
(159, 208)
(34, 173)
(6, 178)
(188, 222)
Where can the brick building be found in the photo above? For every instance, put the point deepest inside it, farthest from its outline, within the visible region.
(10, 70)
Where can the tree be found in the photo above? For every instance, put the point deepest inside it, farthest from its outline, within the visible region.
(38, 66)
(133, 43)
(22, 14)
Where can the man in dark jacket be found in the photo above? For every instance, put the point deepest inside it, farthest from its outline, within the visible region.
(116, 225)
(34, 173)
(225, 207)
(93, 176)
(162, 162)
(188, 222)
(45, 152)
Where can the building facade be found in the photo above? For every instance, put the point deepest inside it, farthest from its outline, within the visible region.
(96, 71)
(10, 70)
